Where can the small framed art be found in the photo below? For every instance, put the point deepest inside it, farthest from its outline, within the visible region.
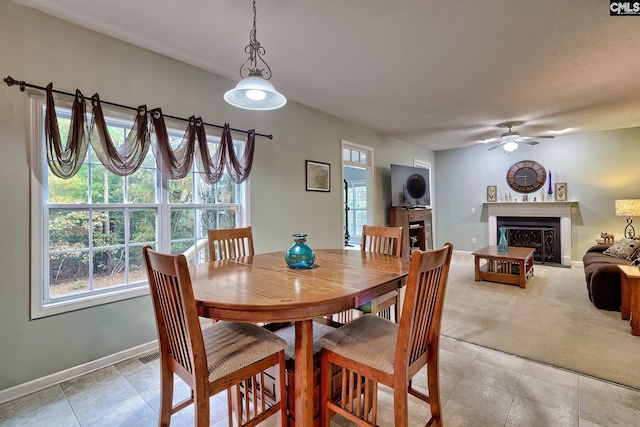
(561, 191)
(318, 176)
(491, 193)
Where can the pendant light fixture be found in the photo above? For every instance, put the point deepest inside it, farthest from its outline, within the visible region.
(254, 92)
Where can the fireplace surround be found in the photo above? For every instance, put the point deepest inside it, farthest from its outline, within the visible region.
(561, 211)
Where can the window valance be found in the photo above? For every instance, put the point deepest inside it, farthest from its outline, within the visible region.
(148, 130)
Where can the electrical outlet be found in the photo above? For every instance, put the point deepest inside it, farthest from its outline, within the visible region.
(473, 240)
(473, 210)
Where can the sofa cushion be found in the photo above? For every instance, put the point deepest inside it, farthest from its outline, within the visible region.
(625, 249)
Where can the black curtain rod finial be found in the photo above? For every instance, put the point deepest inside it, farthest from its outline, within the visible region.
(10, 81)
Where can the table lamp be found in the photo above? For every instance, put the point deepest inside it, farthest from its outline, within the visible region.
(628, 208)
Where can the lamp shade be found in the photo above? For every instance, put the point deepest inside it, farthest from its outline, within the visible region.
(628, 207)
(255, 93)
(510, 146)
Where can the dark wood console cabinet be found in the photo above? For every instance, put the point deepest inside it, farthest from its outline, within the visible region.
(416, 228)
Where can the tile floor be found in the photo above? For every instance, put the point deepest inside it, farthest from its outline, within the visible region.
(479, 387)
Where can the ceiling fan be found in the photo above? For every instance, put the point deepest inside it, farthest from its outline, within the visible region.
(509, 140)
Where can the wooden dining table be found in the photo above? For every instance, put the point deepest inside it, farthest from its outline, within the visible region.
(261, 288)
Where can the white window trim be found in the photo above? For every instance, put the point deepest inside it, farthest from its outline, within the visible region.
(38, 246)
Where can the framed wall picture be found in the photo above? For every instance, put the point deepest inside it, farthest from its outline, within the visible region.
(561, 191)
(492, 193)
(318, 176)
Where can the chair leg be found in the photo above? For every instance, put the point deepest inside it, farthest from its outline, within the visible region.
(166, 398)
(433, 381)
(397, 310)
(400, 407)
(282, 386)
(201, 408)
(325, 391)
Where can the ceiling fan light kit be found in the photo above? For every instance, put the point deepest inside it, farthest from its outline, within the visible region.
(510, 146)
(510, 139)
(254, 92)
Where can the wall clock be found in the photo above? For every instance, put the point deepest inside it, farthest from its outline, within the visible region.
(526, 176)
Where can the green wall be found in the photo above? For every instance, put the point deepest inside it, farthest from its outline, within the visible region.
(38, 49)
(598, 168)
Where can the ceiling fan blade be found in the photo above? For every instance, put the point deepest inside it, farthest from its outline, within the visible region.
(531, 142)
(497, 145)
(538, 137)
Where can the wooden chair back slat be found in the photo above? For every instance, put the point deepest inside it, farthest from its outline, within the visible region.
(230, 243)
(384, 240)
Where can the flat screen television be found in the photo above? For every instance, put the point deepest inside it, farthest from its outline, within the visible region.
(410, 186)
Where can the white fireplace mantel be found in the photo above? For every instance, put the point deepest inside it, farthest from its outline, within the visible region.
(560, 210)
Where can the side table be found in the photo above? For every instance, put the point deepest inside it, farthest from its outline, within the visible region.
(630, 303)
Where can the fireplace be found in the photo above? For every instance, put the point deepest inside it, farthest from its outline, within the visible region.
(540, 233)
(559, 211)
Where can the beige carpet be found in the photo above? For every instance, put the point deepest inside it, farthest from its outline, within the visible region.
(551, 321)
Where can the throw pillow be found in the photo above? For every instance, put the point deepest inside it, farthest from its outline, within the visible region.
(625, 249)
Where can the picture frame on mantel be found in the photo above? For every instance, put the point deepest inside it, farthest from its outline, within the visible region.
(492, 193)
(318, 176)
(560, 191)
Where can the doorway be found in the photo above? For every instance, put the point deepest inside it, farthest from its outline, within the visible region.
(357, 173)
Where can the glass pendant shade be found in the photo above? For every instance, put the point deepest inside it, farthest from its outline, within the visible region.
(255, 93)
(510, 146)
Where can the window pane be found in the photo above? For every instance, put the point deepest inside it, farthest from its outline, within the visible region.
(72, 190)
(142, 226)
(208, 219)
(109, 267)
(105, 186)
(227, 218)
(137, 270)
(363, 158)
(142, 186)
(227, 190)
(68, 229)
(181, 247)
(182, 223)
(68, 273)
(108, 228)
(346, 154)
(181, 190)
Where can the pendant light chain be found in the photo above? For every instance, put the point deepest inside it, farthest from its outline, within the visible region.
(254, 92)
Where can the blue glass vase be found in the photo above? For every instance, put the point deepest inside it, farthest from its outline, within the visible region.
(300, 255)
(503, 245)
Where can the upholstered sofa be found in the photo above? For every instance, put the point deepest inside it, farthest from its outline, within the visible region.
(603, 277)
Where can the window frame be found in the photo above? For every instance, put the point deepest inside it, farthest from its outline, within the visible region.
(39, 240)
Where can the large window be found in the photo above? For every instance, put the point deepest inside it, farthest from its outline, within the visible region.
(88, 231)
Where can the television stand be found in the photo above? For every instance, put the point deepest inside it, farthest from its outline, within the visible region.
(416, 228)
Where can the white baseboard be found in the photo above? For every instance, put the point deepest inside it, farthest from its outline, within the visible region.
(73, 372)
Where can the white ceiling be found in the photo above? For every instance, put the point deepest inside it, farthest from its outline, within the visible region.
(440, 74)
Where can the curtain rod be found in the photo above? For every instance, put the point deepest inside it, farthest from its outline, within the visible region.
(10, 81)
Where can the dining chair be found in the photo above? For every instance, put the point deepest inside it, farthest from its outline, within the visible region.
(210, 358)
(230, 243)
(372, 350)
(388, 241)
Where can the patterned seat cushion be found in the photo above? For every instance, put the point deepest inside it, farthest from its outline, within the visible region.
(370, 340)
(232, 346)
